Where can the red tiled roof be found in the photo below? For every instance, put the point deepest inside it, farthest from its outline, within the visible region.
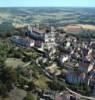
(58, 98)
(77, 74)
(84, 64)
(38, 31)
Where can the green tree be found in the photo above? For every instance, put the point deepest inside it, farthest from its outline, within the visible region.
(8, 78)
(30, 96)
(3, 89)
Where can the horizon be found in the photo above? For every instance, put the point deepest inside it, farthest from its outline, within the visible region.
(48, 3)
(46, 7)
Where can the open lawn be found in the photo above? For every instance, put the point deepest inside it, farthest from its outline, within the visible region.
(13, 62)
(41, 82)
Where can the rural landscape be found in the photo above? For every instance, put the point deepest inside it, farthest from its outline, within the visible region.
(47, 53)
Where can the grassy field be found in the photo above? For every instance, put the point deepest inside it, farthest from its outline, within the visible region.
(13, 62)
(79, 27)
(41, 82)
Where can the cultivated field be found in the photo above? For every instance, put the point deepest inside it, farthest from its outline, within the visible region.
(76, 28)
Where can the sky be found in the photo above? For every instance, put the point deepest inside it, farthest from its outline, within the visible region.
(47, 3)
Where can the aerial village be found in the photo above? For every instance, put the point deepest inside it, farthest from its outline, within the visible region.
(70, 59)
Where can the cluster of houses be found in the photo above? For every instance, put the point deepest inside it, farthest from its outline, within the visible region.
(84, 54)
(36, 38)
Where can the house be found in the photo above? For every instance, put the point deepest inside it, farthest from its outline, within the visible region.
(92, 45)
(41, 38)
(68, 44)
(76, 55)
(84, 52)
(86, 66)
(88, 55)
(91, 53)
(91, 79)
(89, 58)
(25, 42)
(48, 95)
(37, 36)
(51, 53)
(39, 44)
(49, 39)
(75, 77)
(63, 59)
(84, 45)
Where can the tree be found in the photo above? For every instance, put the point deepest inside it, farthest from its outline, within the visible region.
(8, 74)
(30, 96)
(3, 89)
(55, 85)
(8, 77)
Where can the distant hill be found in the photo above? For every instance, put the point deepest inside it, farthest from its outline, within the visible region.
(56, 16)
